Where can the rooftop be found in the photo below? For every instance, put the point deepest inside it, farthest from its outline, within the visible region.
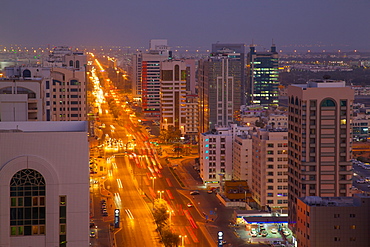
(44, 126)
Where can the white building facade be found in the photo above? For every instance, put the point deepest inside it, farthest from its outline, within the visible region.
(216, 153)
(43, 183)
(242, 158)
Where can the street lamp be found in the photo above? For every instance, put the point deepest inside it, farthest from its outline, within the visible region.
(183, 240)
(152, 178)
(170, 212)
(160, 194)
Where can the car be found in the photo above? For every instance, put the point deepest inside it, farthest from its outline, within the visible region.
(368, 186)
(194, 192)
(210, 191)
(92, 234)
(234, 225)
(264, 233)
(189, 205)
(253, 233)
(361, 181)
(273, 230)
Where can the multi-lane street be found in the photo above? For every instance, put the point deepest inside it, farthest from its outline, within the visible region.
(136, 176)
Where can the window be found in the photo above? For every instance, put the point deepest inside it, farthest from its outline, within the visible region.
(270, 152)
(270, 194)
(270, 145)
(74, 82)
(336, 215)
(336, 239)
(26, 73)
(27, 208)
(336, 227)
(327, 103)
(353, 227)
(352, 215)
(177, 72)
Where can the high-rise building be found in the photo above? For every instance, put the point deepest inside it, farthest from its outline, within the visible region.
(262, 77)
(220, 48)
(319, 140)
(269, 176)
(191, 114)
(220, 79)
(173, 94)
(146, 77)
(44, 184)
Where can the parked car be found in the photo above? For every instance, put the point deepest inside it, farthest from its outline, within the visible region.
(361, 181)
(92, 234)
(273, 230)
(210, 191)
(194, 192)
(189, 205)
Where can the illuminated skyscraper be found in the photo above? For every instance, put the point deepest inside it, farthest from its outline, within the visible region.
(262, 77)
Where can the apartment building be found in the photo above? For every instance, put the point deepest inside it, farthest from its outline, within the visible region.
(269, 184)
(319, 140)
(333, 221)
(56, 91)
(216, 153)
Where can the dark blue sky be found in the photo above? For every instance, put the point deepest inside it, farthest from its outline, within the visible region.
(333, 24)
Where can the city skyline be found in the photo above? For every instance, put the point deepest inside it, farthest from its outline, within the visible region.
(291, 25)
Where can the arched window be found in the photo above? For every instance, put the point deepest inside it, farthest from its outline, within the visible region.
(27, 203)
(77, 64)
(296, 101)
(327, 103)
(31, 94)
(6, 90)
(70, 63)
(177, 72)
(26, 73)
(292, 100)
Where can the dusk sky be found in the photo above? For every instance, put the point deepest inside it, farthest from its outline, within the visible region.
(334, 24)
